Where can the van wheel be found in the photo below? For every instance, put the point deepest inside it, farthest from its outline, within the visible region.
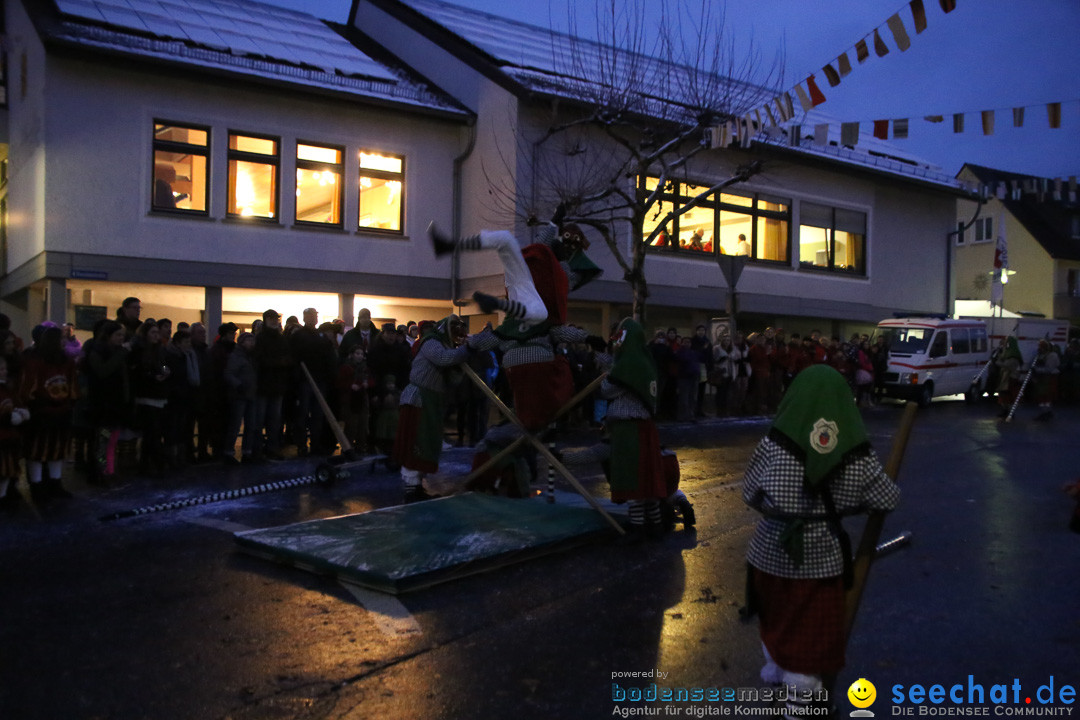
(926, 394)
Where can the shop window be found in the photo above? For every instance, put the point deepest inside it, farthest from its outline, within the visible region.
(832, 239)
(319, 187)
(254, 162)
(723, 223)
(180, 180)
(382, 179)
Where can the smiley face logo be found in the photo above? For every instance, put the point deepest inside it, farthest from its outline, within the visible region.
(862, 693)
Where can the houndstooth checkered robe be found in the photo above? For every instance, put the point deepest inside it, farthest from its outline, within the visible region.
(773, 485)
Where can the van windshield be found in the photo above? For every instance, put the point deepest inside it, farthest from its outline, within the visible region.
(907, 341)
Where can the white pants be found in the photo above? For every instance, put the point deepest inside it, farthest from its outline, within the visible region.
(519, 282)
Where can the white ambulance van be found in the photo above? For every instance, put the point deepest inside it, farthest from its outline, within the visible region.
(934, 356)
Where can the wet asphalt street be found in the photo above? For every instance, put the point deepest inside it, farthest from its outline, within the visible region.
(160, 616)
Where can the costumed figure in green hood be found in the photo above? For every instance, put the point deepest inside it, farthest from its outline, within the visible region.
(633, 459)
(538, 279)
(418, 444)
(1009, 361)
(814, 466)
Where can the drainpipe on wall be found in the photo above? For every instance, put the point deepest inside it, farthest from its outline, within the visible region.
(459, 163)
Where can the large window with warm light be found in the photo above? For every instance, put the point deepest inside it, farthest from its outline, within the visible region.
(254, 162)
(752, 224)
(382, 182)
(180, 182)
(319, 190)
(832, 239)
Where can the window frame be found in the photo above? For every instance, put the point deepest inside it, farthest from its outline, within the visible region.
(338, 168)
(830, 241)
(255, 158)
(363, 172)
(676, 197)
(172, 146)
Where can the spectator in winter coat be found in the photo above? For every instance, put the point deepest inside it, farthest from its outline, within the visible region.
(275, 370)
(241, 388)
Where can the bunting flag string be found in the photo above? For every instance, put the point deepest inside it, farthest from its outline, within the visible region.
(808, 92)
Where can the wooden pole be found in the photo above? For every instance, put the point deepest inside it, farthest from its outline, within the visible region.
(346, 446)
(1020, 394)
(864, 556)
(585, 392)
(542, 448)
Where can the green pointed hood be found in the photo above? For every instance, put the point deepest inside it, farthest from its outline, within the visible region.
(634, 367)
(819, 422)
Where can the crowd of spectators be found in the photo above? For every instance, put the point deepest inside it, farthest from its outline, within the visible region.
(748, 374)
(145, 395)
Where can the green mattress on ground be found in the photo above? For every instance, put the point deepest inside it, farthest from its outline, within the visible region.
(406, 547)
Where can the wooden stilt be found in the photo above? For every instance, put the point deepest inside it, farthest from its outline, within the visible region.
(542, 448)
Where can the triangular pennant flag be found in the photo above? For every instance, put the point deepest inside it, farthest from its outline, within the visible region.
(988, 122)
(757, 119)
(772, 118)
(879, 45)
(861, 51)
(1057, 188)
(934, 118)
(789, 105)
(948, 5)
(821, 134)
(844, 64)
(1018, 117)
(831, 75)
(815, 93)
(1000, 194)
(958, 122)
(1016, 192)
(849, 134)
(781, 110)
(1053, 114)
(804, 99)
(896, 25)
(881, 129)
(900, 129)
(918, 13)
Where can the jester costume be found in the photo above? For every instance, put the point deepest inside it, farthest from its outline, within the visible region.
(538, 279)
(814, 466)
(419, 439)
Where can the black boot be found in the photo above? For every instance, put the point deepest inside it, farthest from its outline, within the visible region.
(488, 303)
(689, 519)
(442, 244)
(417, 493)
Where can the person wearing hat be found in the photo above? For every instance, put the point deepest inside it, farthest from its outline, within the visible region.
(814, 466)
(434, 372)
(535, 278)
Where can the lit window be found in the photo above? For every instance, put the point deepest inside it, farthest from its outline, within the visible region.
(180, 181)
(754, 225)
(253, 176)
(381, 188)
(319, 190)
(832, 239)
